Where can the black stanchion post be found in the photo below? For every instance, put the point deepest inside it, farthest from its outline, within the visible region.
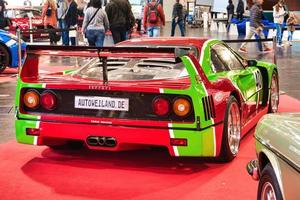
(19, 49)
(275, 49)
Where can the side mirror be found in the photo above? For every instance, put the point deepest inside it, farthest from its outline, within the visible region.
(252, 63)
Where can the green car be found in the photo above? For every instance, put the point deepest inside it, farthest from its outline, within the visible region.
(278, 152)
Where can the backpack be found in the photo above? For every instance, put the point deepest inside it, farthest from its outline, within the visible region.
(153, 13)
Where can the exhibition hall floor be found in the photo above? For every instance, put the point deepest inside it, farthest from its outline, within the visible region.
(31, 172)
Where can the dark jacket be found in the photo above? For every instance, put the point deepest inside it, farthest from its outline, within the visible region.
(230, 9)
(72, 14)
(178, 11)
(119, 14)
(240, 7)
(256, 15)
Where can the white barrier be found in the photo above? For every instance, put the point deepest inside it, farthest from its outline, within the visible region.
(222, 28)
(233, 30)
(205, 20)
(296, 35)
(213, 26)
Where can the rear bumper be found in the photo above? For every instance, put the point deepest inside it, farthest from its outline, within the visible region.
(200, 143)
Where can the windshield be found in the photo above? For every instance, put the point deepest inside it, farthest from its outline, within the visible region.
(129, 69)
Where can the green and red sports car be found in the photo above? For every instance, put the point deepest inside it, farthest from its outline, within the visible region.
(196, 97)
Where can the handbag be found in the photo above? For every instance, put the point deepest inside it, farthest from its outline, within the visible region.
(91, 20)
(49, 12)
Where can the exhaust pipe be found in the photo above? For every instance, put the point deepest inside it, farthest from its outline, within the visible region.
(93, 141)
(110, 142)
(101, 141)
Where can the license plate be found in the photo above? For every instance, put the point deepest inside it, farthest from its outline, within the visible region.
(44, 34)
(101, 103)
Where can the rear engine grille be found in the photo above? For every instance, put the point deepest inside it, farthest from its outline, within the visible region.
(209, 108)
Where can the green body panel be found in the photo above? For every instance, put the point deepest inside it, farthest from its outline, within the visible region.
(32, 120)
(200, 143)
(21, 135)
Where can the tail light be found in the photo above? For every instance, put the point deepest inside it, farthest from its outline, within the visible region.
(181, 107)
(178, 142)
(48, 100)
(32, 99)
(33, 131)
(161, 106)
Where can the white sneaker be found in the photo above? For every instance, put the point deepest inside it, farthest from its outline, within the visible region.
(290, 43)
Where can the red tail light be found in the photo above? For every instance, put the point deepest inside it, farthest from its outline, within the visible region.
(178, 142)
(161, 106)
(33, 131)
(48, 100)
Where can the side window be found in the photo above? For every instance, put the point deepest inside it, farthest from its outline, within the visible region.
(227, 57)
(218, 66)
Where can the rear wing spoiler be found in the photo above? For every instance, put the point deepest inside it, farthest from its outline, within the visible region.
(84, 51)
(33, 52)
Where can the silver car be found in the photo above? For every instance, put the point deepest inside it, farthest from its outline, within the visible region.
(277, 139)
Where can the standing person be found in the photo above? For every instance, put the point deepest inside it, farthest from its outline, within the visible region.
(49, 13)
(95, 24)
(256, 25)
(154, 17)
(291, 22)
(230, 12)
(3, 22)
(120, 18)
(61, 13)
(240, 10)
(71, 22)
(178, 18)
(278, 14)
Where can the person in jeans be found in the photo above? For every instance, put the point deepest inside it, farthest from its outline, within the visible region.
(152, 24)
(240, 10)
(278, 14)
(120, 18)
(291, 23)
(178, 18)
(256, 26)
(95, 23)
(71, 22)
(230, 12)
(61, 13)
(49, 19)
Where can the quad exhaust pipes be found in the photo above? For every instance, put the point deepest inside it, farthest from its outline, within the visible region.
(101, 141)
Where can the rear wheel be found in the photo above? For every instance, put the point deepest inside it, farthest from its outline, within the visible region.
(268, 188)
(4, 58)
(274, 94)
(231, 132)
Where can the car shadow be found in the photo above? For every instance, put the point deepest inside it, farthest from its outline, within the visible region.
(95, 174)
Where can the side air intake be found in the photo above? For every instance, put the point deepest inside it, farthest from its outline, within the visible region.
(209, 108)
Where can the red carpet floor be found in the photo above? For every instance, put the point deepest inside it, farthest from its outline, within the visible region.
(29, 172)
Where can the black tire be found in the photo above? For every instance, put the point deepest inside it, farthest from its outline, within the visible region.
(227, 154)
(268, 181)
(274, 108)
(4, 58)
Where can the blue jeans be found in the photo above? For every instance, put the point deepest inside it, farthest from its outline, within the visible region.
(154, 31)
(181, 27)
(95, 37)
(64, 34)
(290, 37)
(279, 33)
